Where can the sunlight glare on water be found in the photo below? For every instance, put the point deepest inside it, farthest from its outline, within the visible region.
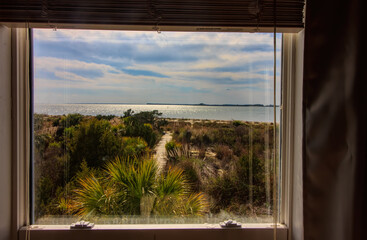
(244, 113)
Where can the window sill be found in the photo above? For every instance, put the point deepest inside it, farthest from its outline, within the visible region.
(155, 232)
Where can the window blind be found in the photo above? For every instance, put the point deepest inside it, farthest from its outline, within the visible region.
(205, 13)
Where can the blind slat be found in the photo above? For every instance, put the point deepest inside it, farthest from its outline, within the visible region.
(211, 13)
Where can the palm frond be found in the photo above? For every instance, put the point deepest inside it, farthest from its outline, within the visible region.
(171, 183)
(136, 177)
(96, 198)
(196, 204)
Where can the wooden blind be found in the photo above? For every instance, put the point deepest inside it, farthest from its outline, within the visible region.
(210, 13)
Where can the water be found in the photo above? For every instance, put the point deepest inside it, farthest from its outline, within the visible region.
(244, 113)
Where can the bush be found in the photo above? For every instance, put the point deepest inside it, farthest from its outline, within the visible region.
(105, 117)
(71, 120)
(134, 187)
(224, 136)
(95, 142)
(134, 147)
(237, 123)
(38, 121)
(41, 142)
(201, 139)
(184, 136)
(173, 151)
(192, 170)
(135, 128)
(223, 152)
(258, 177)
(222, 190)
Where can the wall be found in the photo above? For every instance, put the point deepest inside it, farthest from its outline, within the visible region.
(5, 133)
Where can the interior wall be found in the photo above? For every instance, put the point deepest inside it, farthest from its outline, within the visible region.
(334, 98)
(5, 133)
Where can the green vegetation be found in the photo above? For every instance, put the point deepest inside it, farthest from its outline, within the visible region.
(135, 187)
(104, 165)
(68, 147)
(230, 162)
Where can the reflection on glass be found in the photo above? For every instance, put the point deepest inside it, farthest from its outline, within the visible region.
(140, 127)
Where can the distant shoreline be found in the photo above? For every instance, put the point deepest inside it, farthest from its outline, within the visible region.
(170, 119)
(215, 105)
(259, 113)
(176, 104)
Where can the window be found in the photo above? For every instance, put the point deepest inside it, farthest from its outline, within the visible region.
(241, 17)
(270, 231)
(193, 109)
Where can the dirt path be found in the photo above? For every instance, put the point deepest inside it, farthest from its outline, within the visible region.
(160, 150)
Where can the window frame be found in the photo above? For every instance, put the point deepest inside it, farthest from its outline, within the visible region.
(21, 92)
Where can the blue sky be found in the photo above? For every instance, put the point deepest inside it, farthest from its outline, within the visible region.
(85, 66)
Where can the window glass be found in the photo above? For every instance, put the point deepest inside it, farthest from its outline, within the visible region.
(146, 127)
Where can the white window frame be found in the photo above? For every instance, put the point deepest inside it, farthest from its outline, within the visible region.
(21, 156)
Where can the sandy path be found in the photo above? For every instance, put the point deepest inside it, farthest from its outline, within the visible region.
(160, 150)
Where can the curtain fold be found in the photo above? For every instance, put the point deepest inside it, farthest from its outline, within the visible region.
(334, 115)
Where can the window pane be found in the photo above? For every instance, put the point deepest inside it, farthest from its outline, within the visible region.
(142, 127)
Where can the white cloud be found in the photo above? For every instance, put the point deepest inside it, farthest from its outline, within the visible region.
(199, 75)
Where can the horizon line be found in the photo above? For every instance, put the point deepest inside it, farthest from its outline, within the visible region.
(179, 104)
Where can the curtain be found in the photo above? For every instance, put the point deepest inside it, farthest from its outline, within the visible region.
(334, 116)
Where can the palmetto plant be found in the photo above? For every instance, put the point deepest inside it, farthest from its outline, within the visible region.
(135, 177)
(95, 197)
(134, 187)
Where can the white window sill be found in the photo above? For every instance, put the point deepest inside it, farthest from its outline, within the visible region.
(155, 232)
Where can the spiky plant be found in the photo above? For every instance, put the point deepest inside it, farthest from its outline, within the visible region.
(174, 196)
(135, 177)
(95, 197)
(133, 187)
(195, 204)
(171, 183)
(170, 188)
(172, 150)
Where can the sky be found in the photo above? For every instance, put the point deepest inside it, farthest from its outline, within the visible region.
(88, 66)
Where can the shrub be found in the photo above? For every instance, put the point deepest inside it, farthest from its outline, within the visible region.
(224, 136)
(184, 136)
(44, 195)
(173, 151)
(222, 190)
(192, 170)
(134, 128)
(258, 177)
(41, 142)
(95, 142)
(237, 123)
(96, 198)
(38, 121)
(71, 120)
(223, 152)
(105, 117)
(201, 139)
(134, 147)
(134, 187)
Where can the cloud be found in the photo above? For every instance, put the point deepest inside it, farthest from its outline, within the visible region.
(117, 66)
(140, 72)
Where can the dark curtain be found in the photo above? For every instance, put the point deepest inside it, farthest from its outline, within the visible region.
(334, 115)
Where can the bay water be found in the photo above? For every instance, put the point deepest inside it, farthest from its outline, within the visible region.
(242, 113)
